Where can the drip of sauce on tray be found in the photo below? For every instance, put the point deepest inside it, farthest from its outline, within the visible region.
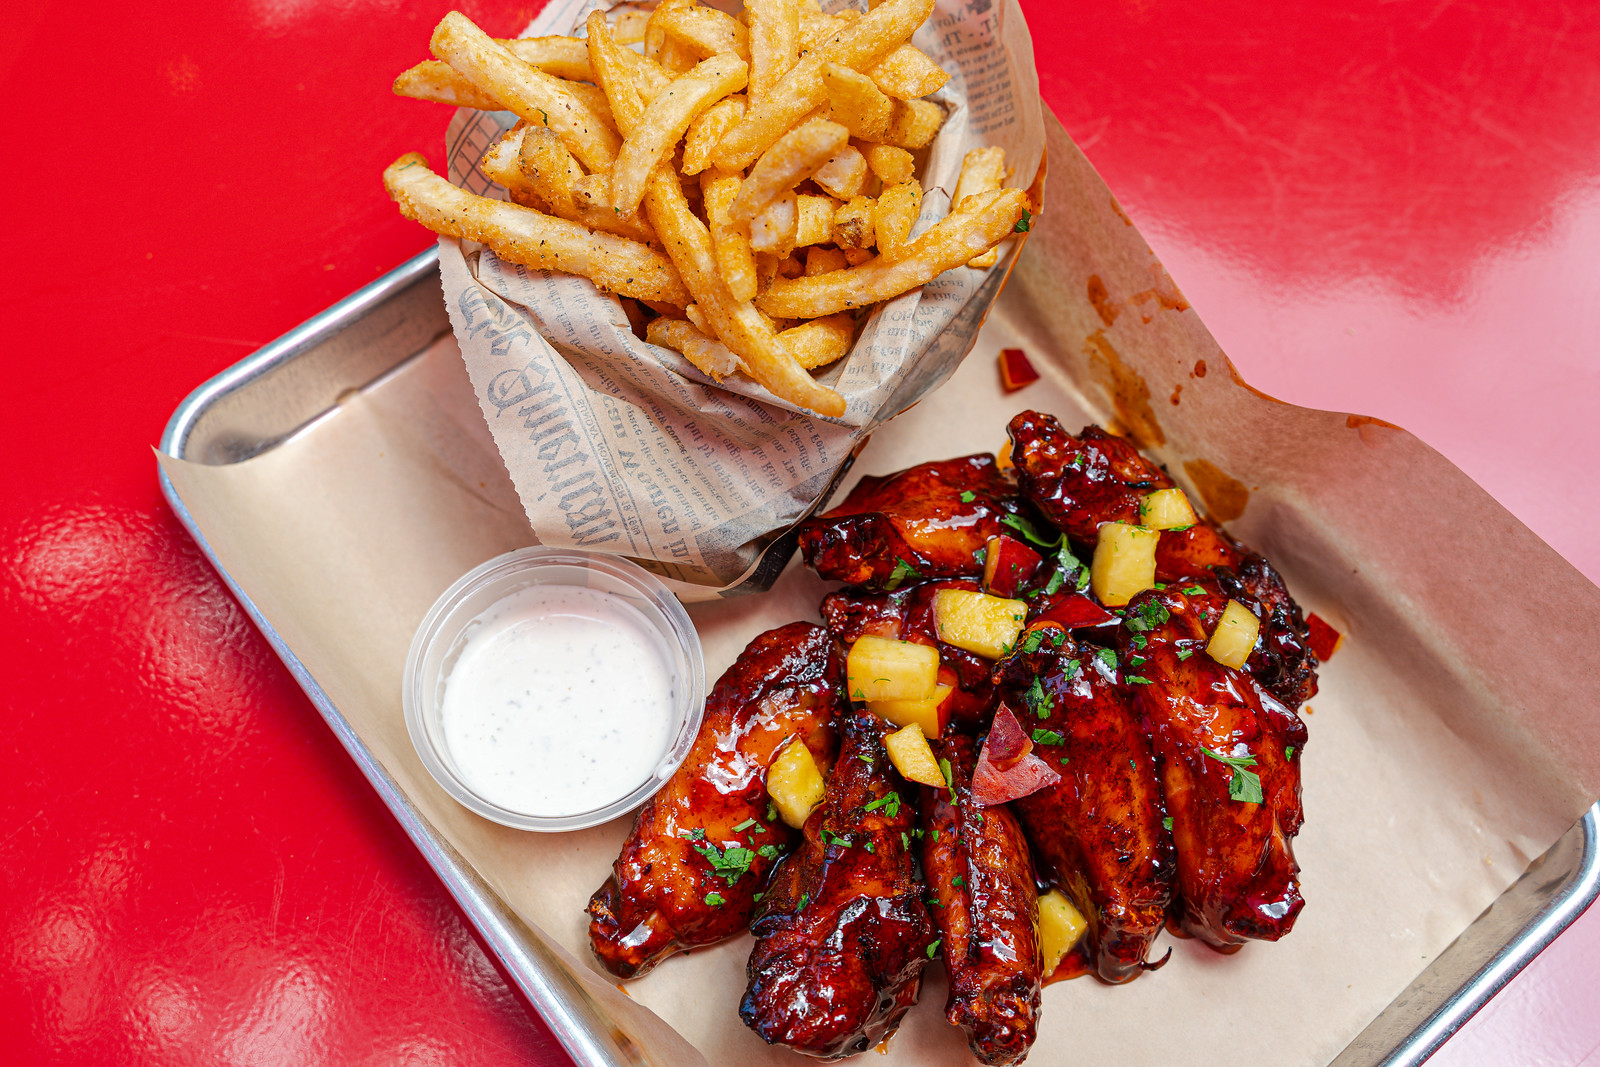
(559, 703)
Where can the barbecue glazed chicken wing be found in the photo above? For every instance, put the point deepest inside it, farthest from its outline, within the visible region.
(985, 909)
(907, 615)
(843, 934)
(1080, 482)
(706, 835)
(1097, 833)
(927, 521)
(1228, 753)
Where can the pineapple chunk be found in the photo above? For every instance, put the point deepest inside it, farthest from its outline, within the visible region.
(912, 757)
(978, 622)
(1167, 509)
(1060, 926)
(1124, 563)
(923, 713)
(881, 669)
(1235, 636)
(794, 783)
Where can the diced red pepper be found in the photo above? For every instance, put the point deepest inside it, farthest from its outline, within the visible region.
(1015, 370)
(1325, 640)
(1076, 612)
(1007, 563)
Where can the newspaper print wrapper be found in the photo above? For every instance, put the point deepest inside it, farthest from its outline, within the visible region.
(619, 446)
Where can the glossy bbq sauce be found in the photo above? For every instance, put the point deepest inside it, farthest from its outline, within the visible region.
(559, 703)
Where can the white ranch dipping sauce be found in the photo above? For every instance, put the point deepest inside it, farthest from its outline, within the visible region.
(560, 702)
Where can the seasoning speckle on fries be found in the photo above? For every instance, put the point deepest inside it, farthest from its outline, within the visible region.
(751, 181)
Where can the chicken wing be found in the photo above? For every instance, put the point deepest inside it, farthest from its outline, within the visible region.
(985, 910)
(1228, 754)
(843, 933)
(907, 615)
(701, 848)
(1098, 832)
(927, 521)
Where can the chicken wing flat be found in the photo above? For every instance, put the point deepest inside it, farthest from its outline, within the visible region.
(985, 910)
(1228, 753)
(927, 521)
(701, 848)
(843, 933)
(907, 615)
(1098, 832)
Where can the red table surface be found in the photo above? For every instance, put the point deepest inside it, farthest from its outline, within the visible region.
(1383, 208)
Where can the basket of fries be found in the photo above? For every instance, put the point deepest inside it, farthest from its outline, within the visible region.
(693, 257)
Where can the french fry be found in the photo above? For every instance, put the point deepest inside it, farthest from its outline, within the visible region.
(979, 223)
(705, 131)
(529, 92)
(813, 223)
(897, 211)
(774, 43)
(774, 227)
(856, 256)
(665, 120)
(913, 123)
(982, 169)
(554, 177)
(892, 165)
(790, 266)
(436, 81)
(707, 31)
(563, 57)
(610, 71)
(672, 54)
(793, 158)
(864, 41)
(531, 238)
(907, 73)
(629, 28)
(852, 224)
(706, 353)
(821, 341)
(735, 323)
(822, 260)
(844, 175)
(855, 103)
(730, 244)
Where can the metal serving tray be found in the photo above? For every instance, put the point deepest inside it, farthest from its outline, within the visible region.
(269, 396)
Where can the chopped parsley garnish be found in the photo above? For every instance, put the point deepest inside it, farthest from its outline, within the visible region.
(728, 864)
(715, 899)
(1032, 642)
(1136, 661)
(946, 778)
(1047, 737)
(958, 881)
(1147, 616)
(1024, 224)
(905, 841)
(1029, 531)
(1167, 823)
(1138, 641)
(890, 803)
(744, 826)
(1160, 587)
(756, 897)
(1037, 700)
(950, 783)
(1067, 565)
(865, 757)
(1058, 638)
(1071, 669)
(1185, 653)
(933, 948)
(1244, 784)
(697, 834)
(768, 852)
(1107, 657)
(1194, 590)
(968, 496)
(772, 812)
(860, 694)
(902, 571)
(805, 898)
(1134, 679)
(1288, 752)
(869, 846)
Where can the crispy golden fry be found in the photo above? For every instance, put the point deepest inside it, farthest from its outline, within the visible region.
(855, 103)
(672, 54)
(592, 190)
(863, 42)
(594, 98)
(821, 341)
(822, 260)
(563, 57)
(707, 31)
(665, 120)
(897, 211)
(892, 165)
(817, 25)
(630, 27)
(844, 175)
(731, 245)
(856, 256)
(735, 323)
(852, 223)
(907, 73)
(549, 172)
(796, 156)
(436, 81)
(790, 266)
(707, 130)
(502, 163)
(982, 169)
(813, 223)
(610, 70)
(913, 123)
(529, 92)
(774, 43)
(709, 354)
(774, 227)
(978, 224)
(531, 238)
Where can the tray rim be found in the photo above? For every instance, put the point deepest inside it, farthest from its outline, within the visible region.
(586, 1037)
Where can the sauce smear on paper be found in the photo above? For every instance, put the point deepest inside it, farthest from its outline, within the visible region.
(560, 702)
